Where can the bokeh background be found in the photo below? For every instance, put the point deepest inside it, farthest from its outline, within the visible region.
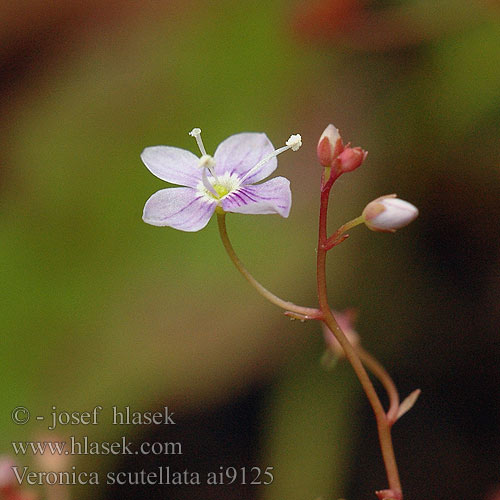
(99, 308)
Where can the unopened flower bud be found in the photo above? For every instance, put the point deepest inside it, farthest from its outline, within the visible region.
(345, 321)
(388, 213)
(351, 158)
(329, 146)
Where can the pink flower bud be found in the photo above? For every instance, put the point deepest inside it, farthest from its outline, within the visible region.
(388, 213)
(351, 158)
(345, 320)
(329, 146)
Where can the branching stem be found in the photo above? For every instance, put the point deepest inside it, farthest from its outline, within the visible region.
(339, 236)
(383, 423)
(356, 358)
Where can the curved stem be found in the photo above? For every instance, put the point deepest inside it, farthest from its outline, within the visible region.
(383, 425)
(302, 312)
(337, 238)
(385, 379)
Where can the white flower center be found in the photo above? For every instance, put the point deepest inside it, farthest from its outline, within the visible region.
(217, 188)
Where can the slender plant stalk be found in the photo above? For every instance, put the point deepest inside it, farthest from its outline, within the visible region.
(384, 421)
(385, 379)
(305, 312)
(337, 237)
(383, 424)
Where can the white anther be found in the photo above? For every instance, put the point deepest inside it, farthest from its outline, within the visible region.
(206, 161)
(294, 142)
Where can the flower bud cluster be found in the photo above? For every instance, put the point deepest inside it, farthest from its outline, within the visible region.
(332, 152)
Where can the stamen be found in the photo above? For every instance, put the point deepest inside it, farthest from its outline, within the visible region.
(293, 143)
(196, 133)
(207, 162)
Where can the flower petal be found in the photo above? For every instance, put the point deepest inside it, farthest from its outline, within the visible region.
(174, 165)
(239, 153)
(180, 208)
(271, 197)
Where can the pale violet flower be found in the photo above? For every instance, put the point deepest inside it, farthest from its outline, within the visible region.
(227, 181)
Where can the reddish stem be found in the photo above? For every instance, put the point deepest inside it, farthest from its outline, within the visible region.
(383, 424)
(385, 379)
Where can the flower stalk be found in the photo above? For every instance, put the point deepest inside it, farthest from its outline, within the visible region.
(357, 357)
(385, 379)
(300, 311)
(383, 422)
(339, 236)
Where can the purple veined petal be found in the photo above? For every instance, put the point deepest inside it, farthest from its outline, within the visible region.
(181, 208)
(174, 165)
(239, 153)
(271, 197)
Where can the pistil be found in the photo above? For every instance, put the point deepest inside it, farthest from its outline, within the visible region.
(196, 133)
(206, 162)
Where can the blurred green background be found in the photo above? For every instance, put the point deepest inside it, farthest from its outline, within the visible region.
(99, 308)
